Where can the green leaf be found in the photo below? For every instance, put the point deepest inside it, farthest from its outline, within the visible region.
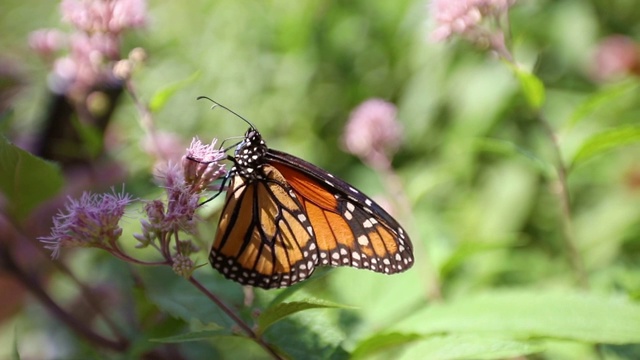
(276, 313)
(453, 347)
(381, 342)
(287, 292)
(529, 313)
(192, 336)
(606, 141)
(310, 335)
(26, 180)
(466, 250)
(15, 353)
(503, 147)
(92, 138)
(176, 296)
(601, 99)
(162, 96)
(532, 87)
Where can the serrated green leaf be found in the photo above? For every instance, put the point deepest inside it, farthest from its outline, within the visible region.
(310, 335)
(532, 87)
(291, 290)
(276, 313)
(600, 99)
(26, 180)
(193, 336)
(526, 314)
(382, 342)
(606, 141)
(162, 96)
(458, 347)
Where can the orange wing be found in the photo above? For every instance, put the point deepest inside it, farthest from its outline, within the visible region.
(264, 237)
(350, 229)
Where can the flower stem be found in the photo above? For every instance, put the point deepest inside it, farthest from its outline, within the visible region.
(246, 328)
(35, 287)
(394, 186)
(575, 260)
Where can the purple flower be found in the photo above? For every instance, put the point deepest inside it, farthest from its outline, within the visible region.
(182, 202)
(201, 164)
(373, 132)
(91, 221)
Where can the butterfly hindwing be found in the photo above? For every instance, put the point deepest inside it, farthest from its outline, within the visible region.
(350, 228)
(264, 237)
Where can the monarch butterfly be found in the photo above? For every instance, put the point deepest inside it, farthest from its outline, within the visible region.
(283, 216)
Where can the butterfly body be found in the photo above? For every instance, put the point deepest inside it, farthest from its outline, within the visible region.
(283, 217)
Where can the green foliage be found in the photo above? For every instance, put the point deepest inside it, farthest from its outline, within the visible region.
(15, 354)
(26, 180)
(380, 343)
(532, 87)
(279, 311)
(493, 277)
(606, 141)
(471, 347)
(192, 336)
(186, 302)
(160, 98)
(530, 314)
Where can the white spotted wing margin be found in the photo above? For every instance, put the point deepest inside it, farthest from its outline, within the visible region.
(377, 242)
(264, 238)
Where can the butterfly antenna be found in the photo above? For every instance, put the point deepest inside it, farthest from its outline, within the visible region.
(215, 104)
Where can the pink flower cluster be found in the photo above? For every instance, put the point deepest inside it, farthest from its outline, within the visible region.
(93, 47)
(463, 16)
(104, 16)
(616, 57)
(92, 221)
(373, 132)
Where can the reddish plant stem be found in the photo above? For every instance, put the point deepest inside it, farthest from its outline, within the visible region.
(235, 318)
(34, 286)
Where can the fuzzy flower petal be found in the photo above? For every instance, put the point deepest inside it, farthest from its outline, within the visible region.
(91, 221)
(201, 164)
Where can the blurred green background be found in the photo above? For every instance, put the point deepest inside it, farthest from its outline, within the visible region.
(476, 166)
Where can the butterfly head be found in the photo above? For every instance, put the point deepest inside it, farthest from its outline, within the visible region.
(249, 154)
